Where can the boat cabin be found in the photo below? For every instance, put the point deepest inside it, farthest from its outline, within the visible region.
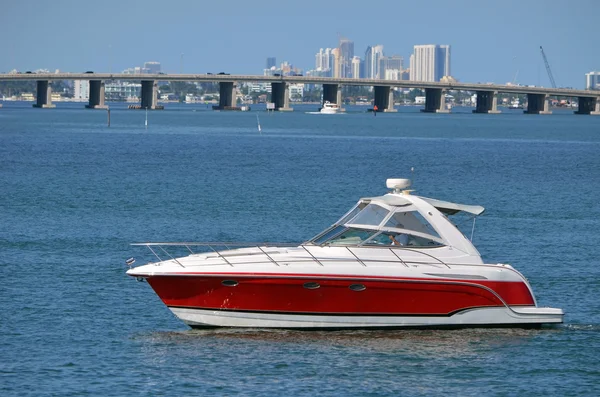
(399, 219)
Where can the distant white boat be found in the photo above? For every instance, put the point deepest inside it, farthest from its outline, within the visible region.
(515, 104)
(329, 108)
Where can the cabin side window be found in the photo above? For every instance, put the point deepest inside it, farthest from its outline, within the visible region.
(352, 237)
(413, 221)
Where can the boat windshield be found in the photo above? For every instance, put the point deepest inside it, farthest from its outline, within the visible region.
(371, 215)
(374, 224)
(329, 234)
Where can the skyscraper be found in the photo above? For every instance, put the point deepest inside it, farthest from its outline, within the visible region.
(592, 81)
(271, 61)
(372, 65)
(319, 60)
(430, 62)
(442, 55)
(337, 62)
(394, 63)
(356, 67)
(152, 67)
(324, 62)
(346, 54)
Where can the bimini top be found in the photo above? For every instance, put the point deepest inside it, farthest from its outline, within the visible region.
(399, 185)
(452, 208)
(446, 207)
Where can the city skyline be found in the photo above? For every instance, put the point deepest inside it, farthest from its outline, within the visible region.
(489, 43)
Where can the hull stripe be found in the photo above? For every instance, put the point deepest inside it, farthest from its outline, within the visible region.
(336, 314)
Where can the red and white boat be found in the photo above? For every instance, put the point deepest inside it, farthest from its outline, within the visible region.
(392, 261)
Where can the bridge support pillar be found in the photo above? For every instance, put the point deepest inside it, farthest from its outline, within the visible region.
(538, 104)
(280, 96)
(435, 101)
(588, 106)
(149, 94)
(487, 102)
(96, 95)
(339, 99)
(384, 99)
(227, 96)
(44, 95)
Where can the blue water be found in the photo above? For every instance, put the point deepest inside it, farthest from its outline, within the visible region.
(74, 193)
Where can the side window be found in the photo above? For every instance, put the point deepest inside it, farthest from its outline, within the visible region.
(411, 220)
(352, 237)
(402, 240)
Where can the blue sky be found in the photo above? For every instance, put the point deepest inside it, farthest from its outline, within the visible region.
(490, 40)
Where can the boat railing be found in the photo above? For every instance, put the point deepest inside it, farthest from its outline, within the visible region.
(157, 248)
(260, 246)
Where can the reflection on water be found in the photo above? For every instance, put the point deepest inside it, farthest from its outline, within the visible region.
(414, 343)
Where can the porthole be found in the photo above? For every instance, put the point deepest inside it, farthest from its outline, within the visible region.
(311, 285)
(229, 283)
(357, 287)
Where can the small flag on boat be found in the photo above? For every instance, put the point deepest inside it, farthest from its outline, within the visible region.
(130, 261)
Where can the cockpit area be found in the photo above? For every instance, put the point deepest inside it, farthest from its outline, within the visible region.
(389, 220)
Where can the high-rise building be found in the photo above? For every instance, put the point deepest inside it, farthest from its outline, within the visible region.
(395, 62)
(152, 67)
(327, 59)
(324, 62)
(430, 62)
(442, 55)
(346, 54)
(271, 61)
(592, 81)
(81, 89)
(356, 67)
(372, 64)
(319, 60)
(337, 62)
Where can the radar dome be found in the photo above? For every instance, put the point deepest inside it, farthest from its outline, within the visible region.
(397, 184)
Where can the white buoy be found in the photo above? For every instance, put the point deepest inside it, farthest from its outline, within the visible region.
(258, 122)
(146, 122)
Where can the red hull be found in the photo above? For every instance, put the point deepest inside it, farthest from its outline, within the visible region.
(382, 296)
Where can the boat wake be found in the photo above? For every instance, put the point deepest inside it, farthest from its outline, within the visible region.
(322, 113)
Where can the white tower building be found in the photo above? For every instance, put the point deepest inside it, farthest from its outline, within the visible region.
(81, 89)
(430, 62)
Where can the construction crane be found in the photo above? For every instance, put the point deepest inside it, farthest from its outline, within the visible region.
(548, 68)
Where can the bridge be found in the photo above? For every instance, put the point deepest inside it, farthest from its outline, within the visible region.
(538, 98)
